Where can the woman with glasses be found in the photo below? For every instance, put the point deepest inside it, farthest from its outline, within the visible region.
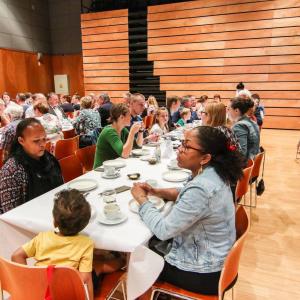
(201, 224)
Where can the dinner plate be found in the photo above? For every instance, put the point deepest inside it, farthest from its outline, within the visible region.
(175, 176)
(153, 144)
(83, 185)
(140, 152)
(145, 157)
(134, 206)
(103, 220)
(116, 163)
(103, 175)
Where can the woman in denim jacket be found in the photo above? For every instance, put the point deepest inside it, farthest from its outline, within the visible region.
(245, 130)
(202, 220)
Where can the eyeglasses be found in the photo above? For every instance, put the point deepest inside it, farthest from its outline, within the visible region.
(185, 147)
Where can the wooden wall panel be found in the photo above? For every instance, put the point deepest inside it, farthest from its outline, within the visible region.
(228, 9)
(265, 51)
(72, 66)
(105, 52)
(231, 27)
(207, 47)
(20, 72)
(196, 4)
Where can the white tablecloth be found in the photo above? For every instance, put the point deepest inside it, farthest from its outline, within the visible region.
(22, 223)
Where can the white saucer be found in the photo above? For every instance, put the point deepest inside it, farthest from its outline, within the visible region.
(134, 206)
(145, 157)
(173, 167)
(175, 176)
(103, 175)
(153, 144)
(140, 152)
(83, 185)
(103, 220)
(116, 163)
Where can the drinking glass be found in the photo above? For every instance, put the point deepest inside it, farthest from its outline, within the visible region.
(109, 196)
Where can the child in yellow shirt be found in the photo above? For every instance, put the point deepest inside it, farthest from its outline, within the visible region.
(71, 214)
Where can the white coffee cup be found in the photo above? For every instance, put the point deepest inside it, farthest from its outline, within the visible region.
(110, 170)
(173, 163)
(112, 211)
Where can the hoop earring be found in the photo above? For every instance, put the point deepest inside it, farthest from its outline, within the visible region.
(200, 170)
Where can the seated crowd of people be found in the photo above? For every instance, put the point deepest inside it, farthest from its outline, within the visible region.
(200, 228)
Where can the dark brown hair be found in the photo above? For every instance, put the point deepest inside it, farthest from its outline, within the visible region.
(171, 100)
(202, 99)
(217, 96)
(227, 163)
(71, 212)
(242, 104)
(21, 96)
(117, 110)
(67, 98)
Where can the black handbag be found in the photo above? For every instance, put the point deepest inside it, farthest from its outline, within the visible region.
(260, 188)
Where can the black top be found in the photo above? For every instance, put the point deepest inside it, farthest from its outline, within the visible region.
(43, 174)
(67, 107)
(104, 111)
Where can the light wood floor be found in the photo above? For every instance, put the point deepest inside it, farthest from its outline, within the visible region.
(270, 265)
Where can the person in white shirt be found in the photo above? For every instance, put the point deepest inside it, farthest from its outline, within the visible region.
(240, 91)
(54, 108)
(161, 125)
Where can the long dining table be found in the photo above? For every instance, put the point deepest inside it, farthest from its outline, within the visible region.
(20, 224)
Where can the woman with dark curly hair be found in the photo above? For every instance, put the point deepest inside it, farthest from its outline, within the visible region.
(201, 223)
(245, 130)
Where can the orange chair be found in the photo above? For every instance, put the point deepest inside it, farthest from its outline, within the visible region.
(86, 157)
(109, 286)
(27, 282)
(64, 148)
(255, 174)
(68, 134)
(243, 184)
(148, 121)
(229, 272)
(48, 146)
(70, 168)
